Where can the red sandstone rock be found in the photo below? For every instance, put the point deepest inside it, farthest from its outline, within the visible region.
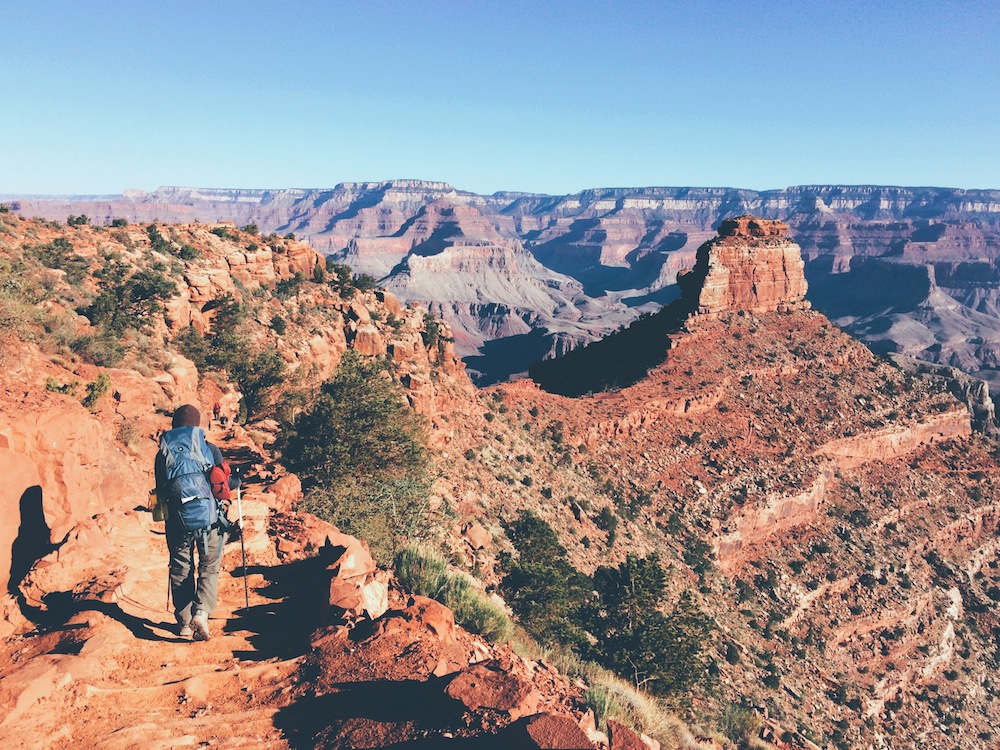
(476, 535)
(752, 226)
(623, 738)
(493, 685)
(546, 732)
(751, 266)
(287, 490)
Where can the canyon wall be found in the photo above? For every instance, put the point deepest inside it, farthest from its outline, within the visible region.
(911, 271)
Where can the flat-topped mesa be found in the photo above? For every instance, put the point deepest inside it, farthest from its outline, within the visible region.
(750, 266)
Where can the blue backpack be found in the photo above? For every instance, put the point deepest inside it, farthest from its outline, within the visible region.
(187, 459)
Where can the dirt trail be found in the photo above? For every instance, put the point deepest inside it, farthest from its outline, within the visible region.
(114, 675)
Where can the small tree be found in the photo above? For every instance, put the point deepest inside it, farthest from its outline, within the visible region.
(545, 591)
(360, 453)
(129, 300)
(665, 653)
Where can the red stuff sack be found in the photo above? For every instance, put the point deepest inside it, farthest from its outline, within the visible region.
(218, 477)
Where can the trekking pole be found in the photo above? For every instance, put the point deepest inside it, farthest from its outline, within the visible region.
(243, 548)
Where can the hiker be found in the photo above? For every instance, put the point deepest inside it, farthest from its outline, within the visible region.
(216, 410)
(194, 523)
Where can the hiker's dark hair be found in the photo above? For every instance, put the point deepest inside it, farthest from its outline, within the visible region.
(187, 416)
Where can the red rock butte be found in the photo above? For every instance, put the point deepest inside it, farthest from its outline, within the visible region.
(750, 266)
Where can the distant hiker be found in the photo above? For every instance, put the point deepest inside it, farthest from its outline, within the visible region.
(193, 522)
(216, 410)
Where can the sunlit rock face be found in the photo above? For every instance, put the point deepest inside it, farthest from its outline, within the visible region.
(750, 266)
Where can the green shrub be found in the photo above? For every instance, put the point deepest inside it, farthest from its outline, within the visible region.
(636, 640)
(54, 386)
(359, 425)
(278, 325)
(425, 572)
(96, 389)
(387, 512)
(60, 254)
(103, 349)
(158, 241)
(545, 591)
(360, 452)
(741, 725)
(340, 277)
(288, 288)
(119, 223)
(129, 299)
(257, 372)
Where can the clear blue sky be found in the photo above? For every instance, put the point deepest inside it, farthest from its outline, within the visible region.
(540, 96)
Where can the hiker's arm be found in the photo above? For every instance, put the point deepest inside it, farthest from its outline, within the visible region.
(160, 473)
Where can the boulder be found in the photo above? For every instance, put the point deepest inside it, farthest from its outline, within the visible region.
(623, 738)
(493, 685)
(546, 732)
(476, 535)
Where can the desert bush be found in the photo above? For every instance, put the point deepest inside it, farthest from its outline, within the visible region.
(741, 725)
(360, 452)
(103, 349)
(129, 434)
(545, 591)
(666, 653)
(388, 512)
(60, 254)
(230, 349)
(615, 699)
(421, 571)
(340, 278)
(222, 233)
(359, 425)
(96, 389)
(425, 572)
(54, 386)
(129, 299)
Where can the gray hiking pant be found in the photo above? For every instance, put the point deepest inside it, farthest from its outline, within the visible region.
(194, 593)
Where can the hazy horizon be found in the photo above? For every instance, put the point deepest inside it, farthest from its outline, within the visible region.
(547, 98)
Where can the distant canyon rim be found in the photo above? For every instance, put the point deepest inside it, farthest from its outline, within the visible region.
(522, 276)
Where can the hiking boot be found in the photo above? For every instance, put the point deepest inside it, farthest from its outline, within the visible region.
(200, 625)
(184, 631)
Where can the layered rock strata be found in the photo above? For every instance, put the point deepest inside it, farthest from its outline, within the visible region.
(750, 266)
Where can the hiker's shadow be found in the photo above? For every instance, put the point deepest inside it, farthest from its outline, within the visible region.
(281, 627)
(61, 606)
